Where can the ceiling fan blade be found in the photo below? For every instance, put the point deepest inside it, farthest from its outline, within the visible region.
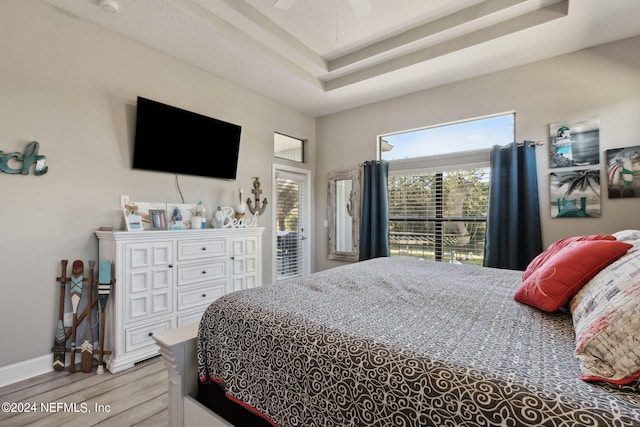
(284, 4)
(361, 7)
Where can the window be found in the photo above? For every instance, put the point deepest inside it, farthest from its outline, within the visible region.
(439, 188)
(287, 147)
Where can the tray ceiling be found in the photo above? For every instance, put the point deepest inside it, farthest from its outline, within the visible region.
(320, 57)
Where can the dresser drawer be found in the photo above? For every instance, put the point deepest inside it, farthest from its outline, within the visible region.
(140, 336)
(190, 317)
(202, 295)
(202, 248)
(210, 270)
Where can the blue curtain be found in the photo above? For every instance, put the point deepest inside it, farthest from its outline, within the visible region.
(514, 234)
(374, 224)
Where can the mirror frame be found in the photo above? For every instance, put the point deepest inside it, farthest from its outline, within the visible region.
(354, 253)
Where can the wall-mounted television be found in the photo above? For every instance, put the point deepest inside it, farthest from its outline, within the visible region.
(170, 139)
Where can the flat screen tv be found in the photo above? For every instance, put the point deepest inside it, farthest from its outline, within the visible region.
(170, 139)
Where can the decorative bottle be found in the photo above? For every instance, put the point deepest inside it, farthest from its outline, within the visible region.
(218, 218)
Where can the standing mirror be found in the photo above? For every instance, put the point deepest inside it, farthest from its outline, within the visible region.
(343, 205)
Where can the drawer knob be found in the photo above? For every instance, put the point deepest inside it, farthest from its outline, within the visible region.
(204, 295)
(170, 265)
(204, 249)
(204, 271)
(150, 334)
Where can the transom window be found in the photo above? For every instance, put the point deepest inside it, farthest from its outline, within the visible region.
(288, 147)
(439, 188)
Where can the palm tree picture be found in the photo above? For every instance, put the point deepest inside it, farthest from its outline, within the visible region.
(575, 193)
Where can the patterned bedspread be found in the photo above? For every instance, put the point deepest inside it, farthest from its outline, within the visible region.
(399, 342)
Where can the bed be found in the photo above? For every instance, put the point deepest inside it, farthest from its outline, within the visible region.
(402, 342)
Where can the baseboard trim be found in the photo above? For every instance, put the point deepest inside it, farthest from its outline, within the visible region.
(23, 370)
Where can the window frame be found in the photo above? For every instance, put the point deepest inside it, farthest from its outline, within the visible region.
(287, 139)
(438, 165)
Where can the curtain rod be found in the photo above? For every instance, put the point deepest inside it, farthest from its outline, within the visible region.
(532, 143)
(520, 144)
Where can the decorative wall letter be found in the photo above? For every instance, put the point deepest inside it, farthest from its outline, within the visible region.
(29, 157)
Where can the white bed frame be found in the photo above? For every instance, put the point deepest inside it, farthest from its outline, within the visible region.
(178, 349)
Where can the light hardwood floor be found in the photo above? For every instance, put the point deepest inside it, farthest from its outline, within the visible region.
(135, 397)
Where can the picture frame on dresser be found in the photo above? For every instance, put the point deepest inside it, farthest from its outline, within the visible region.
(132, 218)
(158, 219)
(186, 211)
(137, 214)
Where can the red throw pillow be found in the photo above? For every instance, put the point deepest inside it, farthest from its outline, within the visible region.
(555, 247)
(564, 273)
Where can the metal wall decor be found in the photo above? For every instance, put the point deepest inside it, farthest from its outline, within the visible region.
(28, 158)
(257, 209)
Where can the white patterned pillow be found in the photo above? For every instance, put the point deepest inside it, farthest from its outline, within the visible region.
(629, 236)
(606, 318)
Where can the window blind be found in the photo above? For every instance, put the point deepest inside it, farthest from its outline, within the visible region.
(290, 219)
(438, 206)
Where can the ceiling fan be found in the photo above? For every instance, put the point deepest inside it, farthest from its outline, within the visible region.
(360, 8)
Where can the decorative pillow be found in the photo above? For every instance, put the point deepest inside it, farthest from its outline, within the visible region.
(629, 236)
(555, 247)
(565, 272)
(606, 318)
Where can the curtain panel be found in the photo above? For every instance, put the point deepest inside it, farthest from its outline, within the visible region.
(514, 235)
(374, 224)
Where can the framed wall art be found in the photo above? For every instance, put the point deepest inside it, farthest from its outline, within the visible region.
(623, 170)
(574, 143)
(575, 193)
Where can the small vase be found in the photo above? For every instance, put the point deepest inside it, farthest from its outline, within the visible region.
(240, 210)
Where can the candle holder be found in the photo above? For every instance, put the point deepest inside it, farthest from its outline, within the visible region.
(256, 210)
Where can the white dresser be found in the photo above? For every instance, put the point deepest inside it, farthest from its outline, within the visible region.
(166, 279)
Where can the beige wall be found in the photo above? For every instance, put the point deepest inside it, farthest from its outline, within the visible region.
(602, 81)
(72, 87)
